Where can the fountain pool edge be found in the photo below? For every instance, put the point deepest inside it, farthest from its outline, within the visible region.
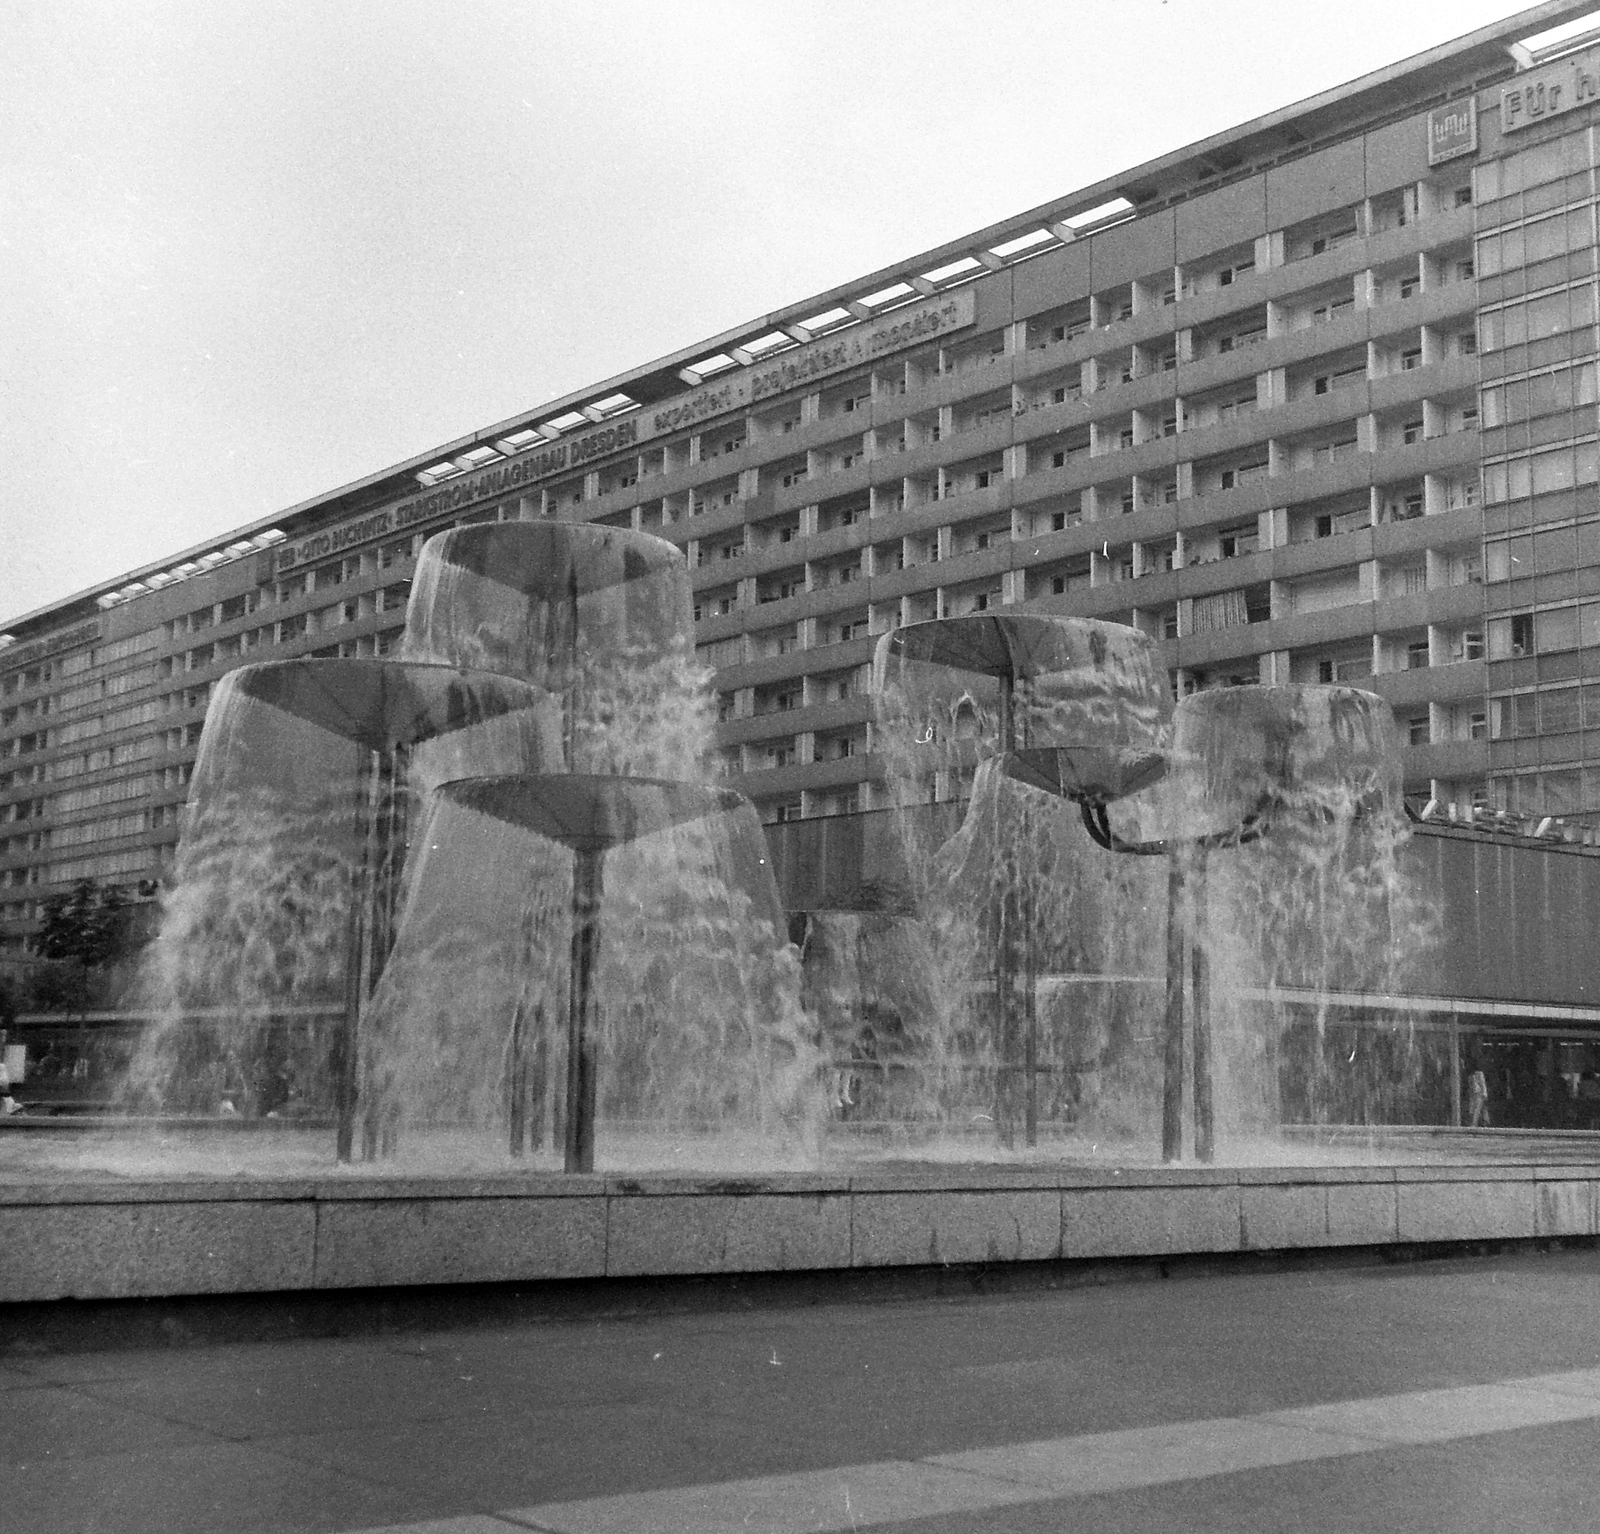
(111, 1238)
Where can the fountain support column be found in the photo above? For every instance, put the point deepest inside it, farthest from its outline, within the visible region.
(1200, 1002)
(589, 814)
(1078, 710)
(1244, 758)
(380, 838)
(1014, 1036)
(588, 883)
(1172, 1027)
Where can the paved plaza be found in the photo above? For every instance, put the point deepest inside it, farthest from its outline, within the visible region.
(1457, 1395)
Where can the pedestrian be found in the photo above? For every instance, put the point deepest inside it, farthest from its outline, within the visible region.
(1478, 1099)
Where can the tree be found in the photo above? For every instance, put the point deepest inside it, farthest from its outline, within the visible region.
(83, 931)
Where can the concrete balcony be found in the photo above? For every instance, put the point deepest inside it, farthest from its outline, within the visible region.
(1455, 683)
(1445, 759)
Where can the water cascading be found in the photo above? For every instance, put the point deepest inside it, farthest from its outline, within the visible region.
(1008, 715)
(631, 962)
(691, 1019)
(391, 875)
(1279, 821)
(286, 897)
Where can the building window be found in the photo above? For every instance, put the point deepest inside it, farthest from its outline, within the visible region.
(1417, 730)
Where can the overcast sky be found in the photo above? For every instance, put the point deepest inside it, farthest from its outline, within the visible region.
(250, 252)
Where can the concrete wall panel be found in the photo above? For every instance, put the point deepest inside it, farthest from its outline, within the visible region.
(1331, 178)
(994, 305)
(1055, 278)
(1278, 1218)
(712, 1233)
(1129, 252)
(1397, 154)
(1362, 1214)
(1221, 218)
(1140, 1222)
(1564, 1208)
(1002, 1225)
(1466, 1210)
(366, 1243)
(102, 1251)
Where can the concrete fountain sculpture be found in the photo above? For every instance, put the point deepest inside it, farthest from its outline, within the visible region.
(547, 683)
(400, 878)
(1031, 709)
(396, 873)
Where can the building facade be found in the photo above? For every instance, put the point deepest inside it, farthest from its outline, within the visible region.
(1313, 400)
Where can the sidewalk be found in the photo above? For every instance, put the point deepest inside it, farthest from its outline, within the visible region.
(1253, 1402)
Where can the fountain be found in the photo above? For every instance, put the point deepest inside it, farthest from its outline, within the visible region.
(1013, 714)
(475, 911)
(1307, 778)
(494, 853)
(1024, 710)
(286, 899)
(548, 683)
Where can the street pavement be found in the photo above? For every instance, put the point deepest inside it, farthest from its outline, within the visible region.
(1459, 1395)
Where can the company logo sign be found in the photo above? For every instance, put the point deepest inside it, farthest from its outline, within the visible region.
(1453, 131)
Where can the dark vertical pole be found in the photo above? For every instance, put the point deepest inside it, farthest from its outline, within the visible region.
(1005, 967)
(539, 1085)
(1200, 969)
(1028, 867)
(517, 1082)
(1005, 1002)
(1172, 1089)
(380, 1134)
(347, 1064)
(1030, 1000)
(1007, 721)
(527, 1077)
(1455, 1070)
(587, 886)
(1030, 1015)
(572, 701)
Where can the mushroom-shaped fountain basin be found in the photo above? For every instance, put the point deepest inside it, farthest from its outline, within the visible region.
(645, 911)
(594, 813)
(530, 598)
(1076, 706)
(305, 730)
(1246, 757)
(289, 876)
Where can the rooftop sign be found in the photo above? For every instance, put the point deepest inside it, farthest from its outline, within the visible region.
(861, 344)
(856, 347)
(1564, 86)
(37, 649)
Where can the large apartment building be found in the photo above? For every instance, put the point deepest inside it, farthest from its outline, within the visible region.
(1313, 400)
